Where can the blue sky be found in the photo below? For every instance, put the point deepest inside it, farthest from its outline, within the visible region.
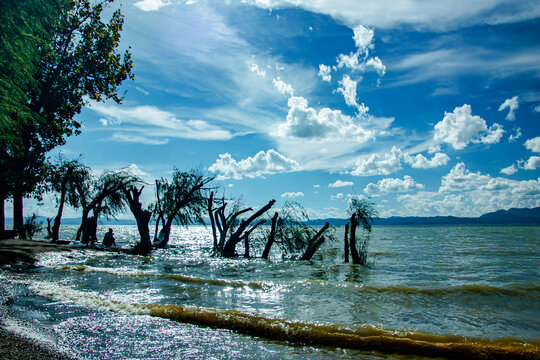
(429, 108)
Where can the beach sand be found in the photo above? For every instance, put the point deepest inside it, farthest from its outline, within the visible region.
(21, 253)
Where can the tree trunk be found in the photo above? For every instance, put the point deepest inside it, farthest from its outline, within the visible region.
(212, 221)
(56, 225)
(84, 220)
(315, 243)
(346, 246)
(246, 246)
(229, 250)
(271, 237)
(142, 217)
(18, 217)
(2, 217)
(164, 233)
(354, 252)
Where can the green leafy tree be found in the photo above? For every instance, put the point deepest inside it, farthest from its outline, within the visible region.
(76, 60)
(66, 178)
(181, 200)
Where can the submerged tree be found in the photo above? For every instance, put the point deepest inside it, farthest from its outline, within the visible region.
(361, 212)
(232, 229)
(103, 196)
(66, 178)
(181, 201)
(289, 231)
(142, 217)
(56, 56)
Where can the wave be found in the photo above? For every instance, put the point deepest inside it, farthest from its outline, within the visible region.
(178, 277)
(523, 289)
(361, 337)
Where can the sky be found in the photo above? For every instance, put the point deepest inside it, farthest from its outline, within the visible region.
(428, 108)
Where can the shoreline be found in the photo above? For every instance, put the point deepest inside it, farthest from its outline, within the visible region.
(13, 346)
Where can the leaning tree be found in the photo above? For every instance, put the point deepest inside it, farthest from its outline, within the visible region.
(66, 177)
(103, 196)
(182, 200)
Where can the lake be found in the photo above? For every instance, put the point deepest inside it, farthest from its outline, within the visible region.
(461, 291)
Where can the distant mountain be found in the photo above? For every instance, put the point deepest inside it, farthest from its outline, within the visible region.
(501, 217)
(523, 216)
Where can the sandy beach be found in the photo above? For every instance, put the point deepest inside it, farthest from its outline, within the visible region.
(17, 252)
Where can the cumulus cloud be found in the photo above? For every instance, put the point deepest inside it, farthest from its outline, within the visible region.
(517, 135)
(531, 164)
(466, 193)
(325, 72)
(363, 38)
(377, 164)
(421, 162)
(512, 105)
(377, 65)
(306, 122)
(283, 87)
(509, 170)
(537, 109)
(292, 194)
(388, 185)
(270, 162)
(348, 89)
(533, 144)
(340, 183)
(151, 5)
(460, 127)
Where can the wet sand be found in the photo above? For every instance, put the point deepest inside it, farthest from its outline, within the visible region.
(14, 346)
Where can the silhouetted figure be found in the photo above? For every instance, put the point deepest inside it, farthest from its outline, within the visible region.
(89, 233)
(108, 240)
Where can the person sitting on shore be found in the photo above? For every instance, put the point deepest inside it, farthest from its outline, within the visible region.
(108, 240)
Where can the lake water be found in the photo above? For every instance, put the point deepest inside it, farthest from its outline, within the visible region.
(451, 291)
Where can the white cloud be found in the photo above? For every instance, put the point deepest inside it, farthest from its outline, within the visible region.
(376, 164)
(421, 162)
(292, 194)
(537, 109)
(363, 38)
(509, 170)
(254, 68)
(387, 185)
(533, 144)
(377, 65)
(348, 89)
(270, 162)
(337, 196)
(459, 178)
(316, 186)
(138, 139)
(283, 87)
(466, 193)
(306, 122)
(135, 170)
(416, 13)
(531, 164)
(460, 128)
(151, 5)
(340, 183)
(156, 125)
(325, 73)
(512, 105)
(517, 135)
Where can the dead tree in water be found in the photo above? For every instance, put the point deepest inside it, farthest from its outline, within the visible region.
(142, 217)
(291, 233)
(362, 213)
(232, 230)
(182, 201)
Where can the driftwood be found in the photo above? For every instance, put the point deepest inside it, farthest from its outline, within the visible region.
(315, 243)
